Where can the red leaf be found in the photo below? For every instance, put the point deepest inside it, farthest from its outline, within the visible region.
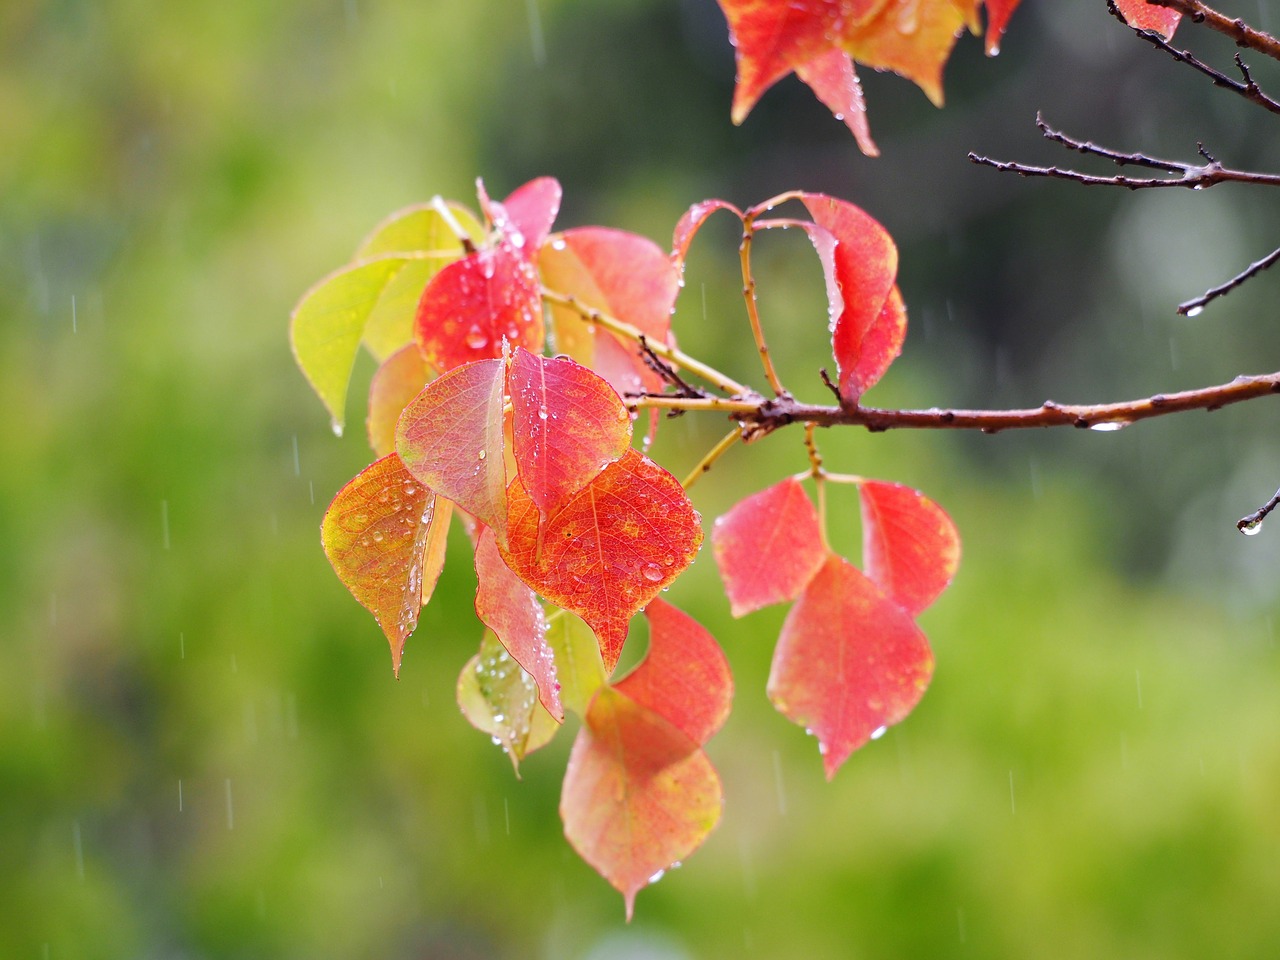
(400, 378)
(998, 14)
(638, 794)
(475, 303)
(833, 80)
(622, 274)
(870, 323)
(513, 612)
(610, 550)
(768, 547)
(532, 209)
(848, 662)
(690, 224)
(1144, 16)
(684, 678)
(568, 424)
(910, 547)
(375, 534)
(451, 438)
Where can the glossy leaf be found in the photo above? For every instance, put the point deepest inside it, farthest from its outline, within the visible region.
(860, 268)
(398, 380)
(849, 661)
(998, 14)
(689, 225)
(329, 322)
(622, 274)
(451, 438)
(499, 698)
(375, 534)
(578, 664)
(910, 547)
(684, 677)
(422, 229)
(913, 38)
(1146, 16)
(472, 305)
(610, 550)
(531, 209)
(639, 794)
(768, 547)
(833, 80)
(567, 424)
(513, 612)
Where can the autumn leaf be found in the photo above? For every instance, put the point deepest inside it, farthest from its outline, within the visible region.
(689, 225)
(1147, 16)
(849, 662)
(768, 547)
(998, 14)
(913, 38)
(376, 534)
(451, 437)
(910, 547)
(398, 380)
(639, 794)
(568, 424)
(499, 698)
(578, 664)
(513, 612)
(832, 79)
(860, 267)
(530, 209)
(610, 549)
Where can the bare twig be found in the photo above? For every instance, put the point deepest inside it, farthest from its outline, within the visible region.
(1193, 307)
(1253, 522)
(714, 454)
(1233, 27)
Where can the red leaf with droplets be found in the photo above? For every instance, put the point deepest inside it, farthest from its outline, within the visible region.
(451, 438)
(375, 534)
(768, 547)
(513, 612)
(475, 303)
(638, 793)
(832, 79)
(1144, 16)
(610, 550)
(532, 209)
(400, 378)
(568, 424)
(684, 677)
(910, 547)
(870, 322)
(848, 662)
(622, 274)
(690, 224)
(998, 14)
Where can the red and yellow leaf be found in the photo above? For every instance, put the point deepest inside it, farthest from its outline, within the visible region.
(833, 80)
(451, 438)
(910, 547)
(768, 547)
(1147, 16)
(684, 677)
(499, 698)
(513, 612)
(610, 549)
(913, 38)
(472, 305)
(639, 794)
(690, 223)
(870, 322)
(568, 424)
(849, 662)
(375, 534)
(398, 380)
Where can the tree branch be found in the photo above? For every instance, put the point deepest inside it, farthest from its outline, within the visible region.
(1235, 28)
(1193, 307)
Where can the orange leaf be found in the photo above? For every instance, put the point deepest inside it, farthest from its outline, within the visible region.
(568, 424)
(768, 547)
(638, 795)
(832, 79)
(849, 662)
(913, 38)
(910, 547)
(400, 378)
(375, 534)
(451, 438)
(611, 548)
(512, 611)
(684, 677)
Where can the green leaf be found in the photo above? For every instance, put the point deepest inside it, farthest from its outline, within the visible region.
(578, 664)
(499, 698)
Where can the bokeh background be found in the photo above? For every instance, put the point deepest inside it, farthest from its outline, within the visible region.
(203, 753)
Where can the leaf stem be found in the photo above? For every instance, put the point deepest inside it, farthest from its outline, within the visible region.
(753, 307)
(441, 207)
(714, 454)
(626, 330)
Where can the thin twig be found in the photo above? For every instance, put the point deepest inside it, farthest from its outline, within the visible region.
(1233, 27)
(753, 309)
(1193, 307)
(714, 454)
(1253, 522)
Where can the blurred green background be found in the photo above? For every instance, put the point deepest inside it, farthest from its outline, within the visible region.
(203, 753)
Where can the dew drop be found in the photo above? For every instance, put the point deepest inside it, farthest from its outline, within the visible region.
(482, 454)
(542, 413)
(657, 876)
(476, 339)
(652, 572)
(336, 426)
(878, 732)
(1195, 311)
(1252, 528)
(558, 243)
(1109, 426)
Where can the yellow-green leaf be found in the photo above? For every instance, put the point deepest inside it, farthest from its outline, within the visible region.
(578, 665)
